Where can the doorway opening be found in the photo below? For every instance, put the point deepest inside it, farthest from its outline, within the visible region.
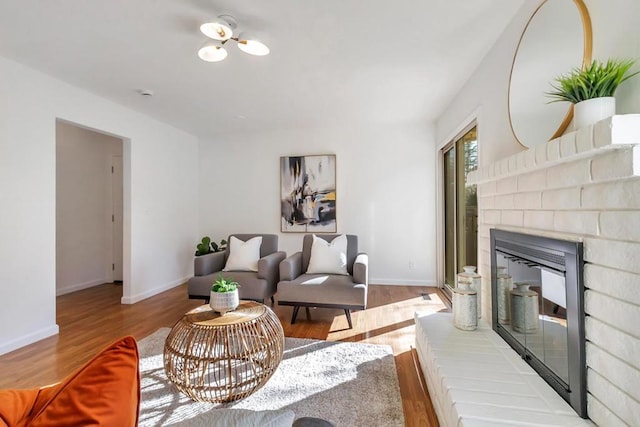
(89, 214)
(460, 205)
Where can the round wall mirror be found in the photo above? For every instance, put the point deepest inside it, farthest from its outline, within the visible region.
(556, 39)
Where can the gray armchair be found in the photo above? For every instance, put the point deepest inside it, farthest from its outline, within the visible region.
(298, 289)
(257, 286)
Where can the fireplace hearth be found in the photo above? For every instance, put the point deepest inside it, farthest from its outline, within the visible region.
(538, 308)
(583, 186)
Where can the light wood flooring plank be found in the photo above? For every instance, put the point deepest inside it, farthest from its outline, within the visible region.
(93, 318)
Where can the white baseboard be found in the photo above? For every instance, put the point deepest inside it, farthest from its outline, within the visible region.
(80, 286)
(151, 292)
(402, 282)
(28, 339)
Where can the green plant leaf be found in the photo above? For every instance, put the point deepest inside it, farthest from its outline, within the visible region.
(203, 248)
(224, 285)
(596, 80)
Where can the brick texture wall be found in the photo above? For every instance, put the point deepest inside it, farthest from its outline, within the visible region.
(584, 186)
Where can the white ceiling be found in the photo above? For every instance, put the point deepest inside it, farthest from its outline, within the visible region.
(331, 61)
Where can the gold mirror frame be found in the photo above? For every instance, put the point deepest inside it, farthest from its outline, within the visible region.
(586, 60)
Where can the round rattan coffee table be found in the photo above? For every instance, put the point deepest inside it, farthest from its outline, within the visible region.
(216, 358)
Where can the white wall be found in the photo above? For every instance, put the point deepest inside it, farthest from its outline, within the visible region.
(615, 34)
(83, 207)
(385, 191)
(160, 198)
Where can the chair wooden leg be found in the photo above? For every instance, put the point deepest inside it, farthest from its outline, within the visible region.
(308, 313)
(295, 314)
(348, 314)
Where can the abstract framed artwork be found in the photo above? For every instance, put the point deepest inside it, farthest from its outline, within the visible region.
(308, 194)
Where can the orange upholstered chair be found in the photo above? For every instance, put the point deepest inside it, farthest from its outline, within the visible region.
(104, 392)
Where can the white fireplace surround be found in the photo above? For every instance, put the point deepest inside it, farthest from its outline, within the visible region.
(583, 186)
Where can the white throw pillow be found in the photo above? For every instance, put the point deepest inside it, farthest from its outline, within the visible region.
(328, 258)
(243, 256)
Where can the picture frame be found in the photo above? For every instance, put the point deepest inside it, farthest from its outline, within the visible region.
(308, 194)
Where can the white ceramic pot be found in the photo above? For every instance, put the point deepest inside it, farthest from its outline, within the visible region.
(590, 111)
(224, 301)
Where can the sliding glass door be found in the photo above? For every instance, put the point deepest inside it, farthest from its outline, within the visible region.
(460, 206)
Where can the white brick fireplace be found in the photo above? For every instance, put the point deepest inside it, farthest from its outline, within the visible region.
(584, 186)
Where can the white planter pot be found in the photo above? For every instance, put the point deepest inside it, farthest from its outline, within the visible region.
(224, 301)
(588, 112)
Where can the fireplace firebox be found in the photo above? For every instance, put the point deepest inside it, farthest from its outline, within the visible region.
(538, 309)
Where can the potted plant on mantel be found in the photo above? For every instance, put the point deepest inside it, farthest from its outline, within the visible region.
(591, 89)
(224, 295)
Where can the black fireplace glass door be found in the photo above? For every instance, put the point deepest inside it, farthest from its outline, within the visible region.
(537, 311)
(537, 307)
(553, 322)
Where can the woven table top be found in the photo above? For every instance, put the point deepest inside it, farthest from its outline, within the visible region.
(205, 316)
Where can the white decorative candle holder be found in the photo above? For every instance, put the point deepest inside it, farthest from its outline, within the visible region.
(465, 307)
(524, 309)
(504, 286)
(475, 279)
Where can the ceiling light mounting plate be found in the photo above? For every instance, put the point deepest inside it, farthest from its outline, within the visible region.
(233, 23)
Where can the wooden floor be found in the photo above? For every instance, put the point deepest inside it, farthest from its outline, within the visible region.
(93, 318)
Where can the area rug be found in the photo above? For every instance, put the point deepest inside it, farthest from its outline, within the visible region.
(349, 384)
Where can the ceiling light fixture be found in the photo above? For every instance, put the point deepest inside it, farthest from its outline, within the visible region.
(220, 31)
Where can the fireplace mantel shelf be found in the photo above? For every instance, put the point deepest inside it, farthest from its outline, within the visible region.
(614, 132)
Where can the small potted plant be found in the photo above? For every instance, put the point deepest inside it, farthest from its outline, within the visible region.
(206, 246)
(224, 295)
(591, 89)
